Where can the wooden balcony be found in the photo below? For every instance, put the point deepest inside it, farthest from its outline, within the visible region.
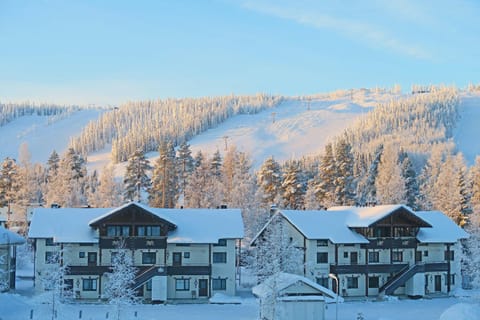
(366, 268)
(205, 270)
(387, 243)
(134, 242)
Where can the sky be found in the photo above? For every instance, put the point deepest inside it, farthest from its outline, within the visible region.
(106, 52)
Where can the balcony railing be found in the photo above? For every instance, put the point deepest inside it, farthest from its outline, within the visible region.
(134, 242)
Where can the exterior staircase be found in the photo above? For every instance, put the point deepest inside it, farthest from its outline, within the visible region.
(400, 279)
(148, 274)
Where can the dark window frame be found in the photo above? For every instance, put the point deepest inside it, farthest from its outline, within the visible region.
(219, 284)
(322, 257)
(219, 257)
(374, 282)
(373, 256)
(89, 284)
(149, 257)
(352, 283)
(182, 284)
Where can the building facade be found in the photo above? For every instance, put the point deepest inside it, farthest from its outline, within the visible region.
(179, 254)
(381, 250)
(8, 242)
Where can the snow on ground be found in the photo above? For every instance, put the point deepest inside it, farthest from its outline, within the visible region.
(19, 305)
(468, 129)
(43, 134)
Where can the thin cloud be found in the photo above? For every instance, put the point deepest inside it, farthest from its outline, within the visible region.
(367, 33)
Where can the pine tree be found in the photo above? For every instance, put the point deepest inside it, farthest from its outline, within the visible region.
(269, 181)
(8, 184)
(163, 193)
(390, 183)
(216, 164)
(344, 180)
(52, 165)
(327, 175)
(411, 185)
(293, 186)
(108, 193)
(136, 178)
(185, 166)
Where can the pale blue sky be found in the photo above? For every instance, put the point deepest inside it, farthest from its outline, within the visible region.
(107, 52)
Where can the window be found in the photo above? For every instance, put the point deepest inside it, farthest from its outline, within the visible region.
(449, 257)
(418, 256)
(148, 285)
(221, 243)
(81, 254)
(149, 257)
(49, 257)
(182, 284)
(148, 231)
(425, 253)
(397, 256)
(373, 256)
(219, 257)
(89, 284)
(92, 258)
(373, 282)
(323, 281)
(345, 255)
(322, 243)
(186, 255)
(219, 284)
(452, 279)
(49, 242)
(322, 257)
(118, 231)
(352, 282)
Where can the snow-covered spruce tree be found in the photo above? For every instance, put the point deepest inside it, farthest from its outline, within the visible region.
(185, 166)
(412, 192)
(8, 177)
(109, 192)
(136, 178)
(275, 251)
(390, 183)
(269, 181)
(344, 180)
(293, 186)
(163, 192)
(471, 246)
(53, 280)
(216, 164)
(53, 164)
(368, 191)
(327, 174)
(4, 272)
(119, 283)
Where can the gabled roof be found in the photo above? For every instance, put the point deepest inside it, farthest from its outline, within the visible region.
(282, 281)
(193, 225)
(364, 217)
(145, 210)
(444, 229)
(9, 237)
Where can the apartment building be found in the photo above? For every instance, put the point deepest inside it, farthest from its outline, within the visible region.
(180, 254)
(380, 250)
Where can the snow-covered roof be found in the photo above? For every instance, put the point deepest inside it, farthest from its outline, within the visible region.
(192, 225)
(65, 224)
(444, 229)
(324, 225)
(9, 237)
(282, 281)
(363, 217)
(203, 225)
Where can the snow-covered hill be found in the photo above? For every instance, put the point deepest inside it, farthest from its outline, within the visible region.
(295, 128)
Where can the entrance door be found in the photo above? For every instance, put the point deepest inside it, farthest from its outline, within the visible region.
(177, 259)
(92, 259)
(203, 288)
(438, 283)
(353, 257)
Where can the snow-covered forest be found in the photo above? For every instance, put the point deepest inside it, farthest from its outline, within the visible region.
(145, 124)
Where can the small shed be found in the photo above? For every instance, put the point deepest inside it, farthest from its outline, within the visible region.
(8, 241)
(286, 296)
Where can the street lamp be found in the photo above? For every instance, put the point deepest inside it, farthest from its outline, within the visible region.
(334, 277)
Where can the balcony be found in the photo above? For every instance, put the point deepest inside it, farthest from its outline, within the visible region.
(387, 243)
(197, 270)
(366, 268)
(134, 242)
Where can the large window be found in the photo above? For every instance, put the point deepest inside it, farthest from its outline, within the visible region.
(118, 231)
(323, 281)
(373, 282)
(219, 257)
(322, 243)
(219, 284)
(89, 284)
(149, 257)
(148, 231)
(182, 284)
(373, 257)
(449, 255)
(322, 257)
(352, 282)
(397, 256)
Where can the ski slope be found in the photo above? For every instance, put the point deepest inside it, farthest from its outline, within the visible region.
(467, 132)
